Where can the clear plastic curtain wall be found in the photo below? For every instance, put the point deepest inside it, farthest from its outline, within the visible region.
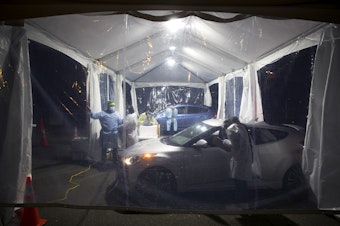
(279, 77)
(321, 153)
(94, 103)
(106, 89)
(157, 98)
(285, 88)
(16, 116)
(233, 95)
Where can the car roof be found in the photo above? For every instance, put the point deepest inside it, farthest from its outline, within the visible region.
(186, 105)
(214, 122)
(190, 105)
(219, 122)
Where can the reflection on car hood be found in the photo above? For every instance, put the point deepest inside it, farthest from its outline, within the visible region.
(157, 145)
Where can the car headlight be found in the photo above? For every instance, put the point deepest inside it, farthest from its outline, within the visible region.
(136, 158)
(131, 160)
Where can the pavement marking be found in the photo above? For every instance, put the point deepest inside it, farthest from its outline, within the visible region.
(71, 182)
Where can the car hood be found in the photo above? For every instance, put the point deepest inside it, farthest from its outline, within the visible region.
(149, 146)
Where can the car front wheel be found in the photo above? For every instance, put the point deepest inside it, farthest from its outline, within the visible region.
(294, 182)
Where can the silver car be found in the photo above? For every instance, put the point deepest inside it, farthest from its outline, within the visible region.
(187, 161)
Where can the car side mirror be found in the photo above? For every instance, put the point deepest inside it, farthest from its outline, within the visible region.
(201, 143)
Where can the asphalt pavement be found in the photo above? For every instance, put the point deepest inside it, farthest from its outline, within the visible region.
(84, 217)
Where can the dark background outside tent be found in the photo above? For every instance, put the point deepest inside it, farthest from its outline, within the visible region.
(59, 89)
(285, 87)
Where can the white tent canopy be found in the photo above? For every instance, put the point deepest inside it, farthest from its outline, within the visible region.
(203, 50)
(207, 52)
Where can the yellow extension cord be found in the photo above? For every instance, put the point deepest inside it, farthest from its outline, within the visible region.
(71, 182)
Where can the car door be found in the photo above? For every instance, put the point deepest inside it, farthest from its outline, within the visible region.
(183, 120)
(197, 113)
(272, 154)
(189, 115)
(206, 167)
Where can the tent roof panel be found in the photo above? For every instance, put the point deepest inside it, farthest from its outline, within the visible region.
(139, 48)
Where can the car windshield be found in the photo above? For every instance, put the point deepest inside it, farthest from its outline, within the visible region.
(189, 134)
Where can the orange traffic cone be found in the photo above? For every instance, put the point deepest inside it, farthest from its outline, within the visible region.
(30, 215)
(43, 133)
(75, 132)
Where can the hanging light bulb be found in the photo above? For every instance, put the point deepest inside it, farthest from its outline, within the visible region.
(171, 62)
(175, 24)
(172, 48)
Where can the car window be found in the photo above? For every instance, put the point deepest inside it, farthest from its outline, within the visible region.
(194, 110)
(262, 135)
(189, 134)
(182, 110)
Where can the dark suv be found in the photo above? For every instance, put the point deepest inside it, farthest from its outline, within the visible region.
(188, 114)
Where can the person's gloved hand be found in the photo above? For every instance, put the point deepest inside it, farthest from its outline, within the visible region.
(217, 142)
(225, 144)
(88, 109)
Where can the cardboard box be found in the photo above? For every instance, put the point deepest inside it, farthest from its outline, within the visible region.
(148, 132)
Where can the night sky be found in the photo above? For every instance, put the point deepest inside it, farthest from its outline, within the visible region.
(285, 88)
(59, 85)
